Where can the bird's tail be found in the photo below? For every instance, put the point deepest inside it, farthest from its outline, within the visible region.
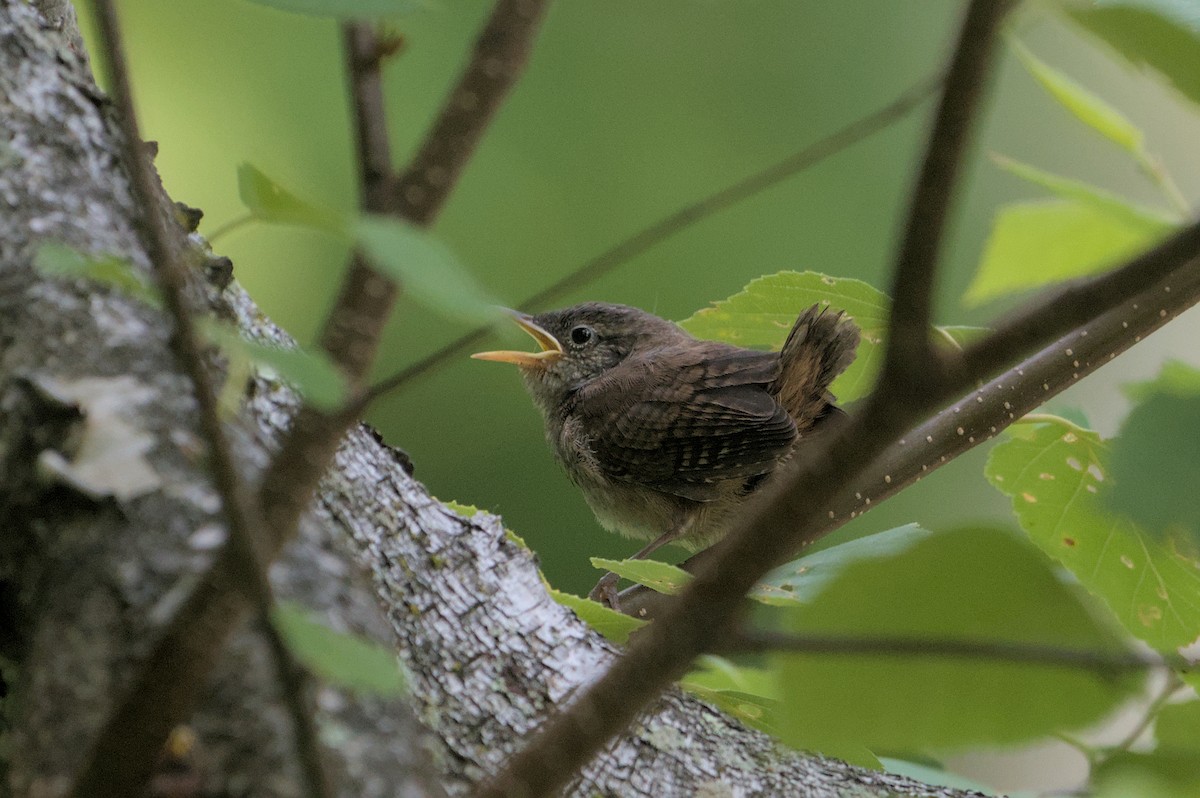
(820, 346)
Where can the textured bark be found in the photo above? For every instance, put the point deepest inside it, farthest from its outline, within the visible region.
(101, 541)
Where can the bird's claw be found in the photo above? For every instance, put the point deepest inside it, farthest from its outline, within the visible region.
(605, 591)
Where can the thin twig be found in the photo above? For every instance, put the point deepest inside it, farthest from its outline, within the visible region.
(1170, 686)
(1102, 663)
(121, 760)
(671, 225)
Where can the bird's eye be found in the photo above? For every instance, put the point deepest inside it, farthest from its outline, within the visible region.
(582, 335)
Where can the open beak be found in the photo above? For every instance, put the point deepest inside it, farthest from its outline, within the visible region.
(551, 349)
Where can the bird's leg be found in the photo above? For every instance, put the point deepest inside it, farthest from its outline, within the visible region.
(605, 590)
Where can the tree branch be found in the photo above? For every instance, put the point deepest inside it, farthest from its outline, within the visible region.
(671, 225)
(164, 691)
(909, 352)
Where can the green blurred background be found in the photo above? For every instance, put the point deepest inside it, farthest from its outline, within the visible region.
(629, 110)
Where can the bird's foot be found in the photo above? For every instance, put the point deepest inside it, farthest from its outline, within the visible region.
(605, 591)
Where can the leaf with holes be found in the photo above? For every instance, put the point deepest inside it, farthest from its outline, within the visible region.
(340, 657)
(973, 584)
(1055, 476)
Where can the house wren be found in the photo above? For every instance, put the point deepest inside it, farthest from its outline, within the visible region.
(667, 435)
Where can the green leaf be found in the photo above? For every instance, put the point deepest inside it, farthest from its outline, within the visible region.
(1087, 107)
(804, 579)
(268, 201)
(616, 626)
(762, 314)
(1155, 462)
(927, 774)
(970, 584)
(428, 270)
(660, 576)
(1112, 205)
(1163, 35)
(1175, 379)
(344, 659)
(1055, 475)
(53, 259)
(343, 9)
(747, 693)
(960, 336)
(1037, 243)
(313, 374)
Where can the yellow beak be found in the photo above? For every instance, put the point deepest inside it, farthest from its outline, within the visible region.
(551, 349)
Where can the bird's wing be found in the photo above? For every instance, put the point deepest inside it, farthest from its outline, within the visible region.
(684, 421)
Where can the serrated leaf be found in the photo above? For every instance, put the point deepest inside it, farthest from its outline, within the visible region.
(969, 584)
(1055, 476)
(613, 625)
(427, 269)
(311, 373)
(659, 576)
(1155, 462)
(802, 580)
(1086, 106)
(1105, 201)
(344, 659)
(762, 314)
(343, 9)
(1037, 243)
(53, 259)
(269, 201)
(1163, 35)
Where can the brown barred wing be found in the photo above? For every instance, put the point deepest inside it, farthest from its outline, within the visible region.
(687, 421)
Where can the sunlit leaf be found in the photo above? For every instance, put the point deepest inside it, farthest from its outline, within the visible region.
(762, 315)
(1055, 476)
(659, 576)
(616, 626)
(1047, 241)
(343, 9)
(1132, 214)
(268, 201)
(969, 584)
(53, 259)
(311, 373)
(428, 270)
(1163, 35)
(1155, 459)
(1086, 106)
(345, 659)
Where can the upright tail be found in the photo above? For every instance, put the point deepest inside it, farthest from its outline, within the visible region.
(820, 346)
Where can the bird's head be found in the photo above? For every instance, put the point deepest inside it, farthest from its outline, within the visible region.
(580, 343)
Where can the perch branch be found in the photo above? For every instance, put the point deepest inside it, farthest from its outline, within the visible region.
(162, 694)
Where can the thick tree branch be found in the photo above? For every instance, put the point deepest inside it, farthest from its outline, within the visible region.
(784, 516)
(168, 684)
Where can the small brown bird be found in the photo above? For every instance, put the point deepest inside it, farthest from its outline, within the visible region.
(667, 435)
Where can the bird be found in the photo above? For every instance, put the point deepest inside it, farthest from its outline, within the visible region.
(667, 435)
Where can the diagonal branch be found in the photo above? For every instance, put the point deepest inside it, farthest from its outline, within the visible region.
(162, 694)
